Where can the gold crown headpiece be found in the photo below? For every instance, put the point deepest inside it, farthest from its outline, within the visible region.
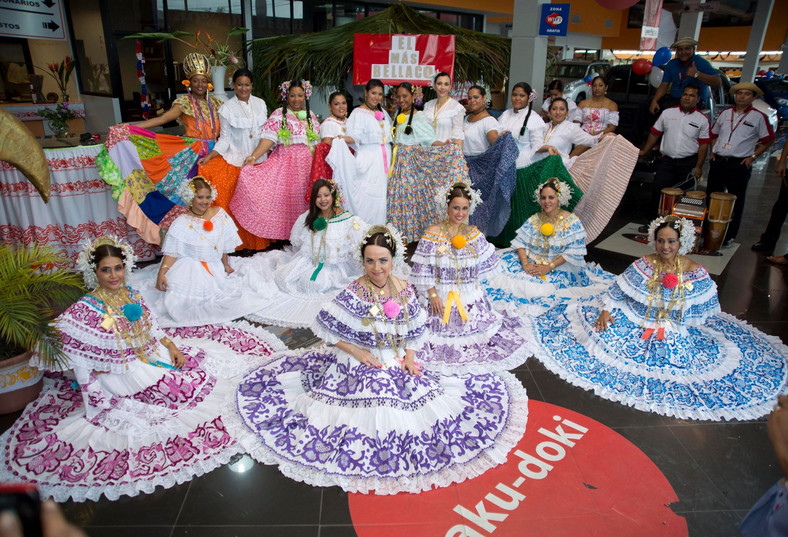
(196, 64)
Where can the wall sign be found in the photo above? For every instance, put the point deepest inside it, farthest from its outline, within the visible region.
(554, 20)
(33, 19)
(395, 58)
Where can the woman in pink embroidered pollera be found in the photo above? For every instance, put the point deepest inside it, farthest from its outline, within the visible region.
(142, 413)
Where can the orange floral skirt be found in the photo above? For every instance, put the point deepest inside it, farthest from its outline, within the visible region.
(223, 177)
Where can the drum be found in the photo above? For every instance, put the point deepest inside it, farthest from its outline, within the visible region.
(720, 214)
(696, 194)
(667, 199)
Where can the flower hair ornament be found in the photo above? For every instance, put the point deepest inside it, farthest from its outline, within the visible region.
(563, 190)
(684, 227)
(88, 268)
(393, 238)
(532, 96)
(285, 86)
(187, 190)
(444, 197)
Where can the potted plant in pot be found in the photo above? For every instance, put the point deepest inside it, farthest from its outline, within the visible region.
(31, 291)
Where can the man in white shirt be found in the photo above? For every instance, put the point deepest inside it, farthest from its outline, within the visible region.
(741, 134)
(685, 142)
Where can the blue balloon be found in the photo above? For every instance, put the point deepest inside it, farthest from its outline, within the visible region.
(661, 56)
(769, 74)
(588, 78)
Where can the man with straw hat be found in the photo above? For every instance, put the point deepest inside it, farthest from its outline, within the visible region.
(680, 71)
(740, 135)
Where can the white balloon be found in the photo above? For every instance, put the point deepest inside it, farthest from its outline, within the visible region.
(655, 77)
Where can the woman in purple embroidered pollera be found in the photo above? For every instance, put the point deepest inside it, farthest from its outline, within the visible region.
(466, 334)
(142, 412)
(364, 415)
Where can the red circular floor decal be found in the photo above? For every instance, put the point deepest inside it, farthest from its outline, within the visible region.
(568, 476)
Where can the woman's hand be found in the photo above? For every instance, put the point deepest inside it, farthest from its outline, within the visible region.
(550, 150)
(366, 358)
(161, 281)
(248, 161)
(602, 321)
(436, 304)
(177, 357)
(409, 363)
(228, 269)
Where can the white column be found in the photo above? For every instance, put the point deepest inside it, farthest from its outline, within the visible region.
(529, 50)
(689, 24)
(783, 67)
(755, 43)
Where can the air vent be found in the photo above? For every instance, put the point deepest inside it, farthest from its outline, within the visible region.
(608, 23)
(575, 19)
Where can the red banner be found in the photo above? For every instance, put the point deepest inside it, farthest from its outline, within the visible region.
(650, 30)
(395, 58)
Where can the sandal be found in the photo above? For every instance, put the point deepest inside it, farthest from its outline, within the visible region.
(778, 259)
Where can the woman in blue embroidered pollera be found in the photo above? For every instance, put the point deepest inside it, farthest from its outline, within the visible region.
(546, 262)
(466, 334)
(659, 342)
(364, 415)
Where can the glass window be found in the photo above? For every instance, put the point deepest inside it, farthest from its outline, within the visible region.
(312, 16)
(346, 12)
(134, 16)
(91, 49)
(271, 17)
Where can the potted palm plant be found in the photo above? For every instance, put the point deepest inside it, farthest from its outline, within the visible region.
(31, 291)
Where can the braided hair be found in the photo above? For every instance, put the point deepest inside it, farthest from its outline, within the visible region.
(408, 129)
(526, 87)
(296, 84)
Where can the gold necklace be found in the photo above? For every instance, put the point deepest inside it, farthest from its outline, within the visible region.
(118, 318)
(382, 288)
(396, 340)
(655, 285)
(251, 109)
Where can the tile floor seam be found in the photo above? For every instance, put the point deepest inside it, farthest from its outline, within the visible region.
(701, 470)
(183, 503)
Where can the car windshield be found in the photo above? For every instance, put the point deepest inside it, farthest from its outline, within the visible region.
(571, 71)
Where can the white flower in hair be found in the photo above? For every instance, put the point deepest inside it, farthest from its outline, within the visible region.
(685, 228)
(187, 190)
(442, 199)
(393, 237)
(88, 268)
(563, 190)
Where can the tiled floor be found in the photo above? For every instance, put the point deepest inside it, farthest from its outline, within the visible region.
(718, 470)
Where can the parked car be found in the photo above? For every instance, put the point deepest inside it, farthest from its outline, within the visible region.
(775, 92)
(573, 72)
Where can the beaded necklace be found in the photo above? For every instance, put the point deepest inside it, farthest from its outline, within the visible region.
(320, 224)
(127, 319)
(545, 231)
(198, 118)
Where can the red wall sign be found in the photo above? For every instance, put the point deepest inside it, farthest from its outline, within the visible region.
(395, 58)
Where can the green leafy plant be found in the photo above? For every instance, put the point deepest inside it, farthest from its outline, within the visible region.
(218, 53)
(32, 289)
(59, 115)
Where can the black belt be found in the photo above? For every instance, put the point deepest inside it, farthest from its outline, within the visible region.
(729, 159)
(681, 158)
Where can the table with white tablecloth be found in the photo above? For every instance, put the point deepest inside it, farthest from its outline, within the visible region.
(80, 206)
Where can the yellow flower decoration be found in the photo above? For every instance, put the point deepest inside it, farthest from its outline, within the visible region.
(186, 83)
(402, 118)
(210, 86)
(547, 229)
(458, 241)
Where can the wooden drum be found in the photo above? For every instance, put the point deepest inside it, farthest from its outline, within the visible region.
(720, 214)
(668, 199)
(696, 194)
